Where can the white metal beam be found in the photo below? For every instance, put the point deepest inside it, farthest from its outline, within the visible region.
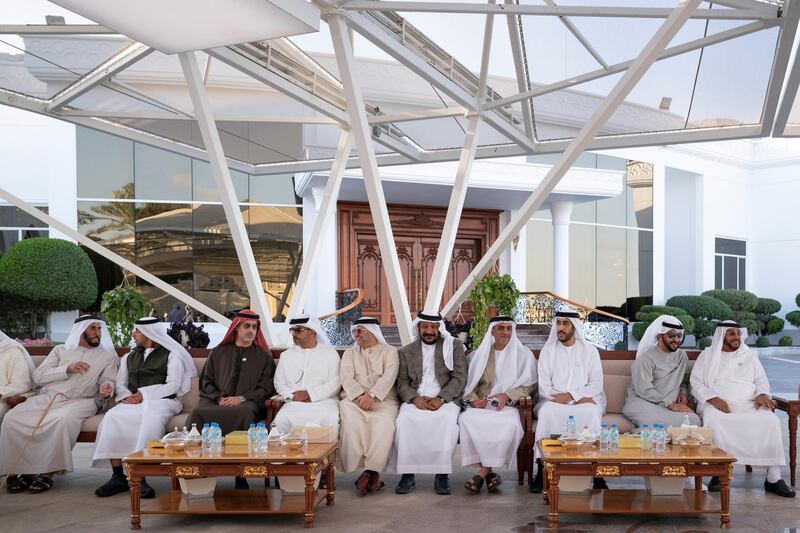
(113, 257)
(580, 37)
(441, 266)
(639, 68)
(780, 63)
(369, 168)
(689, 46)
(101, 73)
(325, 218)
(788, 99)
(558, 11)
(230, 202)
(520, 69)
(424, 114)
(55, 29)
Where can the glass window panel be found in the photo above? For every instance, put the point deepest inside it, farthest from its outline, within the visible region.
(164, 248)
(162, 175)
(582, 264)
(276, 235)
(613, 210)
(8, 238)
(640, 263)
(543, 214)
(731, 276)
(30, 234)
(539, 256)
(204, 188)
(584, 212)
(109, 223)
(13, 217)
(611, 267)
(742, 277)
(718, 272)
(105, 165)
(277, 189)
(730, 246)
(607, 162)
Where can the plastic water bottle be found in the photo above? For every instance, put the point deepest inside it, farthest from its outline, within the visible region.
(660, 441)
(205, 435)
(687, 422)
(645, 438)
(572, 431)
(614, 441)
(216, 437)
(261, 437)
(605, 438)
(252, 439)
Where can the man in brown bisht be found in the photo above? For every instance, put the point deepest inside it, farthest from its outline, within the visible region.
(236, 379)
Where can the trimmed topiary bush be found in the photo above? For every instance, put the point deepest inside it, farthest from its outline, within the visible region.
(705, 311)
(762, 342)
(704, 343)
(773, 325)
(786, 340)
(793, 318)
(767, 306)
(648, 313)
(738, 300)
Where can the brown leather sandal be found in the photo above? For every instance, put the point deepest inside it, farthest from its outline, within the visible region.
(474, 485)
(493, 481)
(40, 484)
(17, 484)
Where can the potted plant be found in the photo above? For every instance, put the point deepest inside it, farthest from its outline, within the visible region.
(121, 308)
(493, 290)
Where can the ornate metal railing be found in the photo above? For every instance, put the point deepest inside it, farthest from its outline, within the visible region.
(337, 324)
(604, 329)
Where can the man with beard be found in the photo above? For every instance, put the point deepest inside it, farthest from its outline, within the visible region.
(658, 391)
(75, 380)
(733, 397)
(570, 384)
(430, 382)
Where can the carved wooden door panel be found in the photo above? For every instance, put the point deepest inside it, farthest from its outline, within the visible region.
(372, 279)
(465, 257)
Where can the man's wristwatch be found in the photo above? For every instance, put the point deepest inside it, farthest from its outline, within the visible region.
(443, 400)
(242, 399)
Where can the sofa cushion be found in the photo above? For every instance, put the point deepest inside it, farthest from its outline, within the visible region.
(615, 387)
(178, 421)
(92, 423)
(623, 424)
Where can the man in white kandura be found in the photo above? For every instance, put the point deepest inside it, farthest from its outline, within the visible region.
(430, 384)
(369, 404)
(307, 378)
(732, 393)
(501, 372)
(75, 379)
(16, 372)
(152, 379)
(570, 384)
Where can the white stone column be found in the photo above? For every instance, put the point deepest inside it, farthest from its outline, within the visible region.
(561, 212)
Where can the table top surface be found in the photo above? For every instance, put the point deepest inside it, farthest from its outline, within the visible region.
(788, 396)
(672, 454)
(233, 453)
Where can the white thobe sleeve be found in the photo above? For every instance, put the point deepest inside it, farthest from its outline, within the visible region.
(171, 386)
(330, 387)
(281, 380)
(594, 378)
(545, 373)
(391, 365)
(17, 374)
(51, 369)
(122, 379)
(760, 379)
(700, 391)
(347, 374)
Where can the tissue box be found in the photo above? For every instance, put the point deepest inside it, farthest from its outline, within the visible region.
(236, 438)
(574, 484)
(664, 486)
(316, 434)
(198, 488)
(296, 484)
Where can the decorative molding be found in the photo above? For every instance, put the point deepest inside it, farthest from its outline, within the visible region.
(256, 471)
(187, 471)
(673, 471)
(607, 471)
(549, 468)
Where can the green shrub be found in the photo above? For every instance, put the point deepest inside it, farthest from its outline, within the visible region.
(797, 299)
(767, 306)
(492, 289)
(704, 343)
(786, 340)
(702, 307)
(793, 318)
(648, 313)
(704, 327)
(121, 308)
(747, 319)
(773, 325)
(762, 342)
(738, 300)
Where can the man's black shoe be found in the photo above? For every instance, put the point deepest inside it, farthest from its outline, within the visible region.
(113, 486)
(146, 491)
(240, 483)
(406, 485)
(441, 484)
(713, 484)
(780, 488)
(537, 485)
(599, 483)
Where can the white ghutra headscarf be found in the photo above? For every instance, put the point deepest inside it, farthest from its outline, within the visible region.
(7, 342)
(80, 325)
(713, 354)
(552, 339)
(514, 365)
(447, 339)
(373, 325)
(154, 329)
(313, 324)
(660, 326)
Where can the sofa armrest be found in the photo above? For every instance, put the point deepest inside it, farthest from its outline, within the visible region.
(526, 417)
(273, 405)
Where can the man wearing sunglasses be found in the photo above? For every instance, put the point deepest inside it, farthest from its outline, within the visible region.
(659, 388)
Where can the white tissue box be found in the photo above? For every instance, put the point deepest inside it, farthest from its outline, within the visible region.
(198, 488)
(316, 434)
(664, 486)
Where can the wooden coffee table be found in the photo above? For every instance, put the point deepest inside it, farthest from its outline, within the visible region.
(233, 461)
(789, 402)
(707, 461)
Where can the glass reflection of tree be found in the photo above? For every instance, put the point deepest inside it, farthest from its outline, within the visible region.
(111, 224)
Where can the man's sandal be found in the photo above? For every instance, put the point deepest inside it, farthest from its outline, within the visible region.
(17, 484)
(493, 481)
(40, 484)
(474, 485)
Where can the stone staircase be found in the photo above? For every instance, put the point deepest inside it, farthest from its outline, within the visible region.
(532, 335)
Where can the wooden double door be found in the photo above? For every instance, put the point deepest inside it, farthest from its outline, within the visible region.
(417, 233)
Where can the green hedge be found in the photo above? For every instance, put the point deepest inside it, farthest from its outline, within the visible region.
(738, 300)
(785, 341)
(793, 318)
(762, 342)
(704, 343)
(702, 307)
(648, 313)
(767, 306)
(773, 325)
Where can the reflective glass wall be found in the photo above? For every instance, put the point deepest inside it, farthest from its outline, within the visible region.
(611, 242)
(161, 210)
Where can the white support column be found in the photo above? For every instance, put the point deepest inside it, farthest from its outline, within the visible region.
(561, 212)
(459, 193)
(659, 233)
(113, 257)
(325, 218)
(369, 169)
(638, 68)
(230, 203)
